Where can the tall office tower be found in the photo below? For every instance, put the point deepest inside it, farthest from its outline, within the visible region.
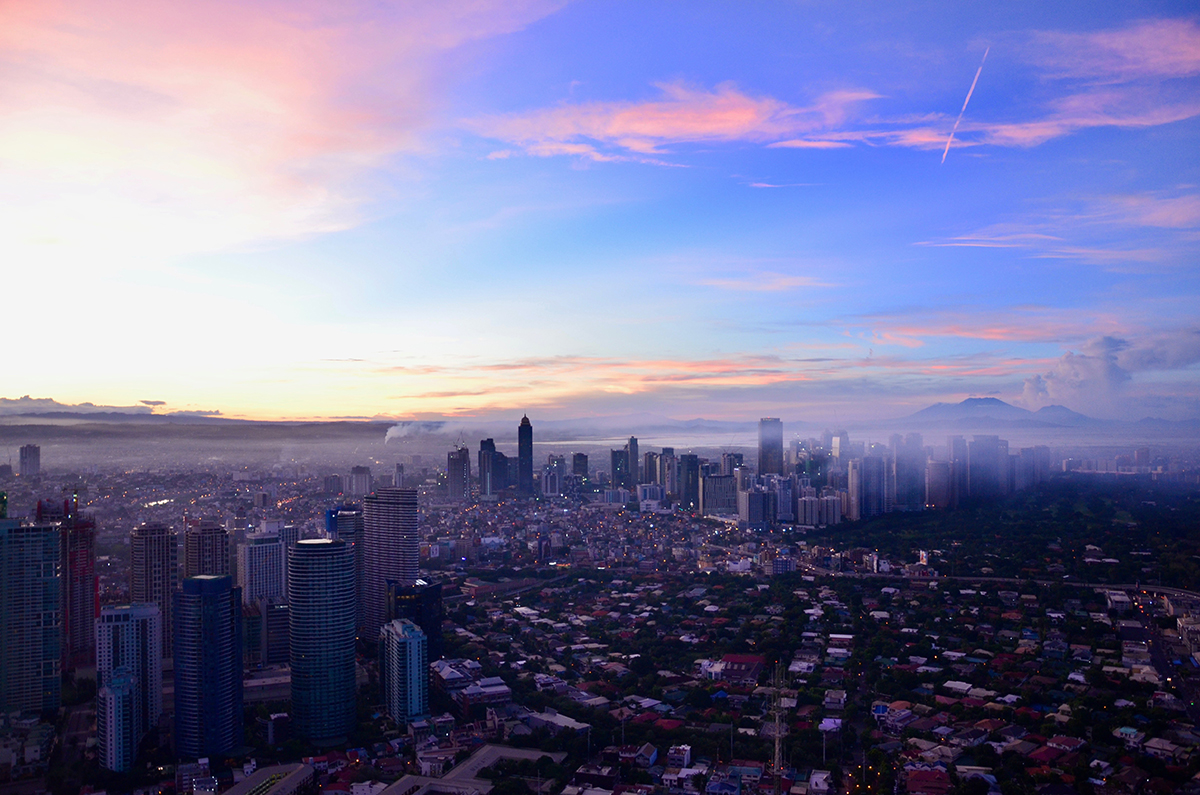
(404, 671)
(730, 462)
(398, 476)
(649, 467)
(668, 472)
(839, 446)
(260, 568)
(205, 548)
(118, 721)
(579, 466)
(525, 457)
(874, 486)
(487, 484)
(987, 467)
(77, 549)
(631, 451)
(854, 489)
(360, 483)
(30, 461)
(321, 631)
(937, 484)
(30, 617)
(718, 495)
(458, 474)
(956, 454)
(129, 642)
(208, 667)
(908, 471)
(420, 603)
(770, 446)
(689, 481)
(345, 523)
(619, 461)
(332, 484)
(391, 551)
(155, 573)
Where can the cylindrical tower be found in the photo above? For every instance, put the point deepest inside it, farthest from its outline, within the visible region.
(322, 634)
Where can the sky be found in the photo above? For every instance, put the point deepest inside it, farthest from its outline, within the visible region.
(286, 210)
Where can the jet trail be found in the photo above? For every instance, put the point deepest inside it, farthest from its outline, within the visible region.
(964, 107)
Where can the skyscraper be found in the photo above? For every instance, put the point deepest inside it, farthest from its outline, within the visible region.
(345, 523)
(260, 568)
(579, 465)
(30, 617)
(129, 657)
(420, 603)
(205, 548)
(458, 474)
(631, 452)
(208, 667)
(525, 457)
(155, 573)
(361, 482)
(689, 481)
(770, 446)
(118, 720)
(391, 550)
(322, 633)
(77, 549)
(30, 461)
(619, 462)
(404, 671)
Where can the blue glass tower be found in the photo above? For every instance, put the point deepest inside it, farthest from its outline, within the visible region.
(208, 667)
(322, 635)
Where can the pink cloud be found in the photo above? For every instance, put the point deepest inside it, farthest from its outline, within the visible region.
(1157, 48)
(682, 114)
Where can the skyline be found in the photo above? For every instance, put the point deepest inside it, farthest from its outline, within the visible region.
(282, 211)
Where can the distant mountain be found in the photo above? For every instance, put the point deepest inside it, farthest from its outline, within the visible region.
(1061, 415)
(972, 409)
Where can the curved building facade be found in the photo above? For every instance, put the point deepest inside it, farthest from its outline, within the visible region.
(322, 635)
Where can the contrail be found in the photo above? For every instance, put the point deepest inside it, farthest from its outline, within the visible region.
(964, 107)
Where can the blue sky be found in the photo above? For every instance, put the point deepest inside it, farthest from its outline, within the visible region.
(689, 209)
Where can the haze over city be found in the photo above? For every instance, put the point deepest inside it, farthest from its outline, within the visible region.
(724, 211)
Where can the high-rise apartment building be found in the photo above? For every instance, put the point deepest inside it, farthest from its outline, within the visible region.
(260, 568)
(458, 474)
(118, 721)
(770, 446)
(208, 667)
(718, 495)
(129, 664)
(154, 573)
(321, 633)
(525, 457)
(30, 465)
(392, 548)
(30, 617)
(205, 548)
(360, 483)
(404, 671)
